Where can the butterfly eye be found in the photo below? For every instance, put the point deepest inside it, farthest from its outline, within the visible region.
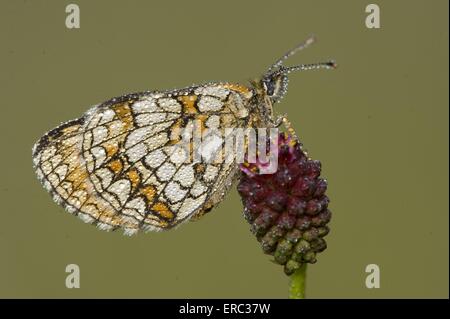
(269, 87)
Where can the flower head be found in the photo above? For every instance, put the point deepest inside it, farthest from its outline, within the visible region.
(288, 210)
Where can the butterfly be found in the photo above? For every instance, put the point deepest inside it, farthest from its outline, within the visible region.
(116, 166)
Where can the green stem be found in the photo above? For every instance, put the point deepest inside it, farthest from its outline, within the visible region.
(297, 285)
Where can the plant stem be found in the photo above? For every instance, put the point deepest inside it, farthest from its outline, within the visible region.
(297, 285)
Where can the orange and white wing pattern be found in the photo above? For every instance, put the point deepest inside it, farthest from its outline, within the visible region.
(117, 167)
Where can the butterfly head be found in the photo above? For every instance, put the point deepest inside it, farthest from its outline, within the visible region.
(275, 86)
(275, 81)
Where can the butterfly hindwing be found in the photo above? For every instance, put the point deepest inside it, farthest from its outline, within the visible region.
(119, 166)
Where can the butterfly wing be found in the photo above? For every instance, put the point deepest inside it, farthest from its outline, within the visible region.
(118, 167)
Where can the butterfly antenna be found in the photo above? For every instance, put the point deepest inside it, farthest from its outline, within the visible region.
(304, 67)
(291, 52)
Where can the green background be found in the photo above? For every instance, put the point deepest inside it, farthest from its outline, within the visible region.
(379, 124)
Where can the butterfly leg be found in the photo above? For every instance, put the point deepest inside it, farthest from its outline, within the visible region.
(283, 120)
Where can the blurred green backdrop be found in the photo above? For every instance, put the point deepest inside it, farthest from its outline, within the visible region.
(379, 124)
